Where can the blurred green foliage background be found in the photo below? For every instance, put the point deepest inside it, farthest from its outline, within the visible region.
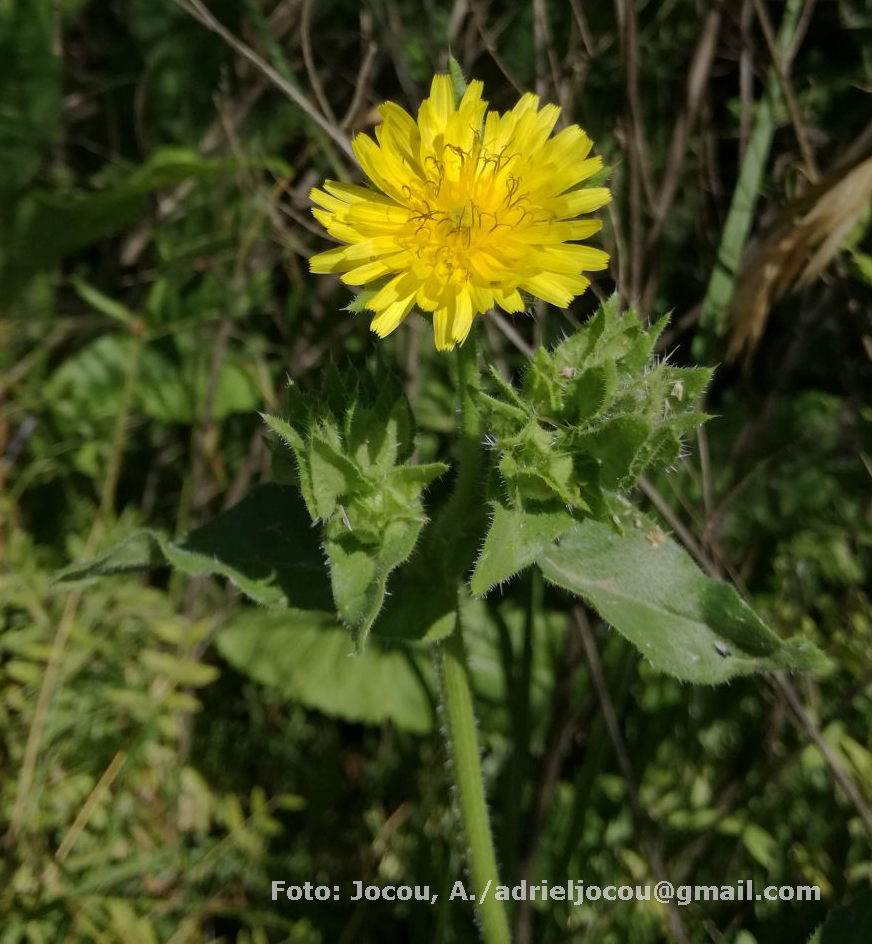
(155, 163)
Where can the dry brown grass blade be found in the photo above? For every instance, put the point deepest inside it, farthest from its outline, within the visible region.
(796, 251)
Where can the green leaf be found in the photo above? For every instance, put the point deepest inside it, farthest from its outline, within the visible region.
(265, 546)
(309, 659)
(458, 79)
(381, 436)
(648, 588)
(615, 446)
(591, 393)
(688, 383)
(102, 303)
(174, 383)
(48, 225)
(514, 540)
(601, 177)
(348, 440)
(636, 359)
(333, 475)
(416, 477)
(361, 299)
(284, 431)
(179, 671)
(291, 467)
(171, 387)
(508, 391)
(863, 264)
(541, 385)
(359, 571)
(595, 414)
(30, 76)
(849, 924)
(420, 606)
(760, 844)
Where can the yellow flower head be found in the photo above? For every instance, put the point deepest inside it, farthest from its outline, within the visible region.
(470, 207)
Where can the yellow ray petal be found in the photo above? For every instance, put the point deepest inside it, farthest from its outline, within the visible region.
(333, 260)
(463, 315)
(472, 95)
(576, 173)
(367, 248)
(353, 193)
(593, 260)
(581, 201)
(570, 259)
(482, 298)
(558, 289)
(325, 200)
(582, 229)
(569, 146)
(376, 214)
(401, 286)
(442, 324)
(392, 316)
(367, 272)
(382, 169)
(430, 293)
(340, 230)
(399, 131)
(534, 127)
(324, 217)
(441, 99)
(509, 300)
(528, 102)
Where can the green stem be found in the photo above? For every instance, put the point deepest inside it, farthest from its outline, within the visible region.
(461, 510)
(455, 691)
(459, 716)
(470, 425)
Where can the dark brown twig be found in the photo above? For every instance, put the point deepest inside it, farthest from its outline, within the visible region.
(367, 64)
(697, 80)
(781, 64)
(201, 13)
(633, 133)
(309, 61)
(491, 47)
(804, 721)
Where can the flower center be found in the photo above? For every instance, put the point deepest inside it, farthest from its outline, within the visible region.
(458, 213)
(469, 202)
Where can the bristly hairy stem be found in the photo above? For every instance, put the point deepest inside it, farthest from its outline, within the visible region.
(454, 521)
(459, 718)
(455, 691)
(469, 467)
